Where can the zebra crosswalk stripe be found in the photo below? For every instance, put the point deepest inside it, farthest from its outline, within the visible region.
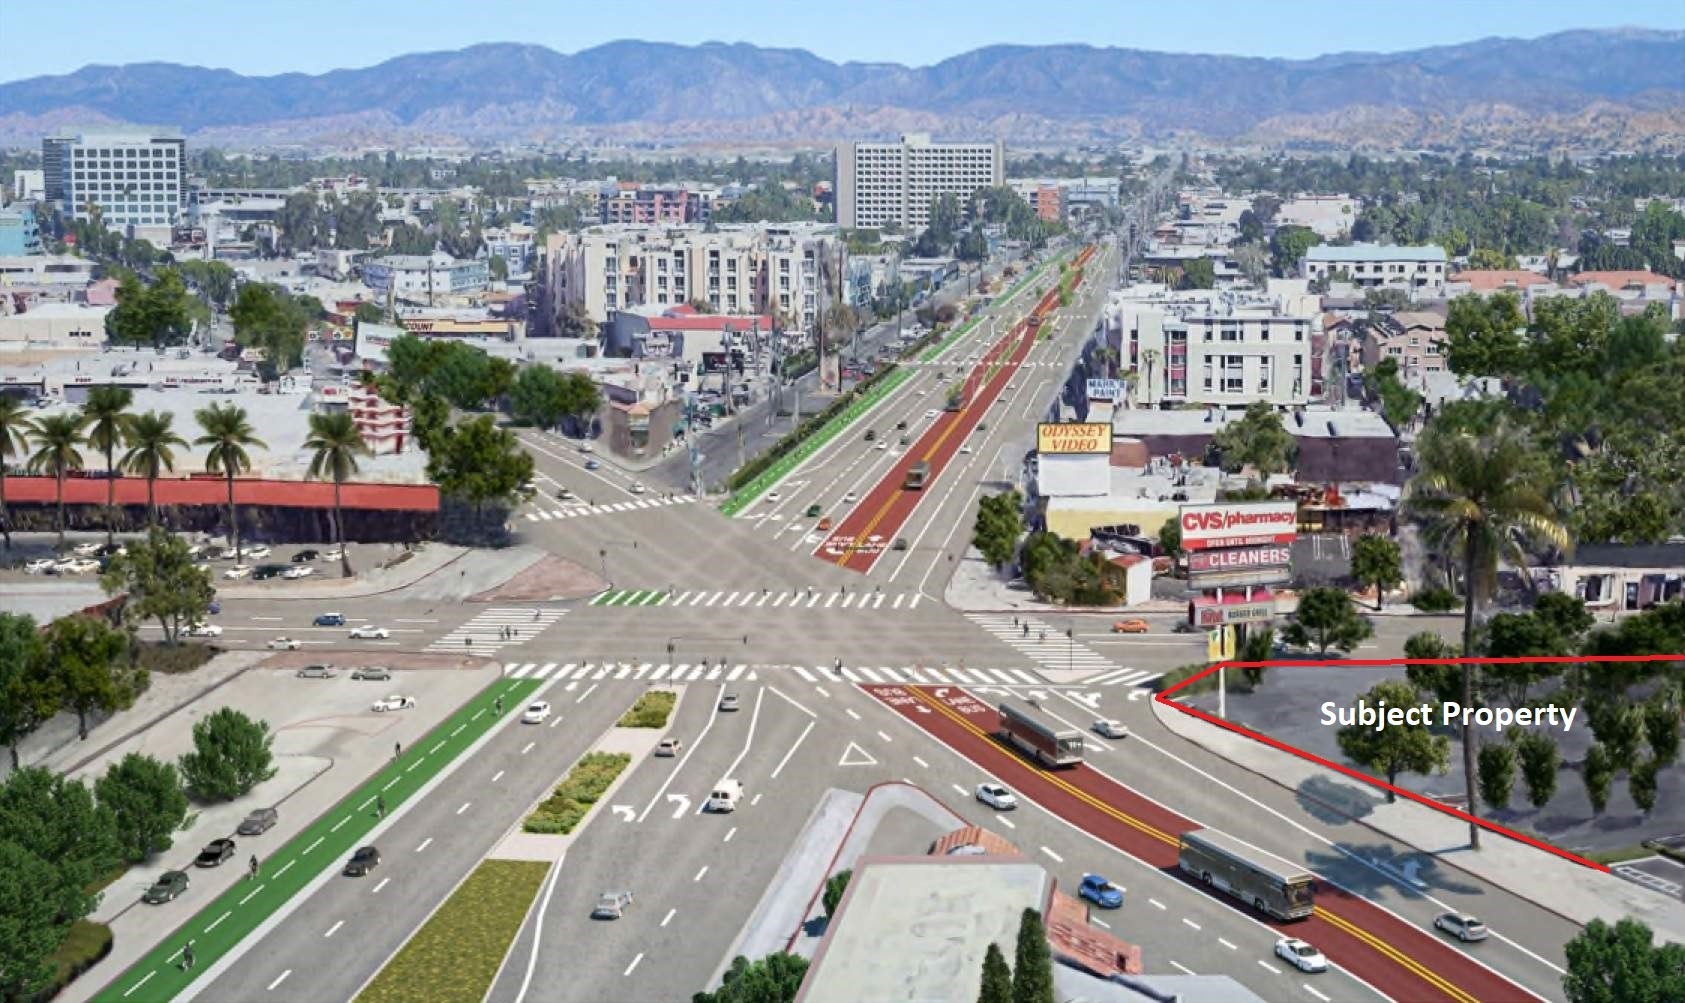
(803, 673)
(736, 670)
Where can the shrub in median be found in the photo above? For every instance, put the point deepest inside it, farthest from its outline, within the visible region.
(568, 804)
(651, 710)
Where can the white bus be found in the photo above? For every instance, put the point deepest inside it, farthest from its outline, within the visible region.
(1265, 882)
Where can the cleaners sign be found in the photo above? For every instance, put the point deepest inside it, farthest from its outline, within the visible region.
(1243, 558)
(1246, 524)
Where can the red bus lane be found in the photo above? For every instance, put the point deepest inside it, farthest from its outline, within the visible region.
(1395, 957)
(862, 536)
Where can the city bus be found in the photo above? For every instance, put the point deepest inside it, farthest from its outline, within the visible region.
(918, 474)
(1265, 882)
(1039, 736)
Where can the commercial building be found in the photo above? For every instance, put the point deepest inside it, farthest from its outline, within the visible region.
(29, 186)
(19, 235)
(882, 183)
(426, 278)
(1413, 339)
(54, 326)
(136, 178)
(1419, 271)
(1328, 216)
(1618, 577)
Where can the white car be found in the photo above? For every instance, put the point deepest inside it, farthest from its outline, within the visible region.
(772, 496)
(237, 572)
(1465, 928)
(298, 571)
(40, 566)
(284, 644)
(227, 554)
(932, 413)
(393, 702)
(205, 630)
(78, 566)
(996, 797)
(965, 450)
(1108, 728)
(585, 447)
(636, 488)
(1300, 955)
(882, 444)
(333, 554)
(258, 552)
(85, 549)
(848, 499)
(370, 630)
(537, 713)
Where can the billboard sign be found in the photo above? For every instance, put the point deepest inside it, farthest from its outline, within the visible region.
(1237, 579)
(1074, 438)
(1238, 524)
(1219, 615)
(1240, 558)
(1105, 390)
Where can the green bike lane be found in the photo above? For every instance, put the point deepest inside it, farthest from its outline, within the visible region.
(218, 927)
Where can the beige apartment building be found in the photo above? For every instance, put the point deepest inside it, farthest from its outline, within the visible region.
(881, 183)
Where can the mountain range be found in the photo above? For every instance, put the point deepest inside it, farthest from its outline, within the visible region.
(1598, 89)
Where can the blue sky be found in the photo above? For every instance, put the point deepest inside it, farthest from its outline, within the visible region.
(278, 36)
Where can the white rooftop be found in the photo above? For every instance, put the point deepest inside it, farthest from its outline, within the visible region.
(1375, 252)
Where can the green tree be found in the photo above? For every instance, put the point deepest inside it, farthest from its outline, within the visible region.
(335, 442)
(1480, 497)
(370, 313)
(580, 397)
(29, 689)
(835, 886)
(107, 418)
(1325, 618)
(1641, 784)
(997, 978)
(536, 396)
(85, 653)
(1483, 335)
(498, 267)
(1487, 258)
(1395, 749)
(1032, 967)
(146, 799)
(15, 425)
(1661, 729)
(162, 583)
(1197, 273)
(1443, 681)
(230, 756)
(1288, 246)
(56, 819)
(152, 444)
(1540, 761)
(1497, 773)
(1170, 538)
(228, 434)
(999, 524)
(773, 979)
(1599, 773)
(1376, 561)
(267, 317)
(1258, 439)
(57, 438)
(1621, 964)
(31, 929)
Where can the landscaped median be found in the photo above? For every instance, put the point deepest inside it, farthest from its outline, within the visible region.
(219, 926)
(572, 799)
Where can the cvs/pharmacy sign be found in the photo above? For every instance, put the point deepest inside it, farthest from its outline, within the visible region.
(1239, 524)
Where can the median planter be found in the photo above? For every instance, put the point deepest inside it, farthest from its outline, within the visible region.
(572, 799)
(651, 711)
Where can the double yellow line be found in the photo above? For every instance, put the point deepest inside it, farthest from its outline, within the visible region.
(1387, 950)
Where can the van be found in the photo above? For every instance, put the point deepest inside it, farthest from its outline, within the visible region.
(725, 797)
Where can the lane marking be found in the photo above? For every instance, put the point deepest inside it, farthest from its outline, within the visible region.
(219, 920)
(730, 834)
(1185, 969)
(497, 776)
(634, 963)
(280, 979)
(669, 917)
(921, 762)
(699, 874)
(1227, 944)
(1273, 970)
(317, 842)
(1190, 922)
(780, 767)
(250, 894)
(464, 807)
(424, 844)
(1157, 904)
(1058, 858)
(378, 887)
(333, 929)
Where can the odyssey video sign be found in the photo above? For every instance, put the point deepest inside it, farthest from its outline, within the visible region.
(1075, 437)
(1241, 524)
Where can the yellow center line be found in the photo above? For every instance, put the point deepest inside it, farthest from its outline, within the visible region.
(1431, 977)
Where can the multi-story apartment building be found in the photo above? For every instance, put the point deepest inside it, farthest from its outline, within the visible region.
(18, 233)
(656, 204)
(879, 183)
(1415, 340)
(137, 178)
(1046, 197)
(425, 278)
(1218, 347)
(1419, 271)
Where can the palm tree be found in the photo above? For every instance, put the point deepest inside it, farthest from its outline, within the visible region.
(152, 442)
(1481, 498)
(14, 424)
(1149, 358)
(107, 417)
(228, 433)
(337, 442)
(57, 437)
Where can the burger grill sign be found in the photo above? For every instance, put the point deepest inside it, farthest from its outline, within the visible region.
(1211, 527)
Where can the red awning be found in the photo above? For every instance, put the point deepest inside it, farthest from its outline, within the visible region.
(214, 491)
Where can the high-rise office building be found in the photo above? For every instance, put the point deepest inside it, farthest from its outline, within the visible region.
(135, 177)
(879, 183)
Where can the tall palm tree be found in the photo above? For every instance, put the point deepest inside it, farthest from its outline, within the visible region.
(228, 433)
(337, 442)
(1149, 358)
(14, 426)
(106, 415)
(1482, 497)
(152, 445)
(57, 438)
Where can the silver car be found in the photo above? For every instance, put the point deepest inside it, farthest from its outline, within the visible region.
(612, 905)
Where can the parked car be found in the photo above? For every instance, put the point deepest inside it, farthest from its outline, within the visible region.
(1101, 892)
(378, 673)
(258, 822)
(166, 888)
(306, 556)
(284, 644)
(215, 852)
(40, 566)
(366, 859)
(537, 712)
(370, 630)
(333, 554)
(668, 748)
(227, 554)
(298, 571)
(238, 572)
(1129, 627)
(1300, 955)
(85, 549)
(110, 550)
(1464, 928)
(204, 630)
(612, 905)
(264, 572)
(996, 797)
(78, 566)
(329, 620)
(729, 702)
(1108, 728)
(393, 702)
(317, 672)
(258, 552)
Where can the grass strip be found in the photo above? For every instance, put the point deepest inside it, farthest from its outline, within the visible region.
(455, 955)
(571, 801)
(651, 710)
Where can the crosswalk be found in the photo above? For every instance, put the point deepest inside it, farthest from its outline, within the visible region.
(1048, 646)
(551, 512)
(497, 628)
(807, 599)
(705, 672)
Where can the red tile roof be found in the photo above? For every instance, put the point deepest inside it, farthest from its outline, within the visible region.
(1485, 280)
(1075, 942)
(709, 322)
(214, 491)
(974, 835)
(1621, 279)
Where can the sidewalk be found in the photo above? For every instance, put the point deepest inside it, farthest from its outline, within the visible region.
(1563, 887)
(368, 581)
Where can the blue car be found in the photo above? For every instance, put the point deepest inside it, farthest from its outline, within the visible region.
(330, 620)
(215, 607)
(1101, 892)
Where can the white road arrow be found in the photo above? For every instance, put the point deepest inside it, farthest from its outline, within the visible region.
(921, 708)
(625, 811)
(1135, 695)
(940, 692)
(683, 803)
(1092, 700)
(1037, 695)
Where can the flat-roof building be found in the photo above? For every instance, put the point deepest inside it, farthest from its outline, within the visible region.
(1419, 271)
(134, 177)
(881, 183)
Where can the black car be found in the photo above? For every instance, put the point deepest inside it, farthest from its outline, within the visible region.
(306, 556)
(871, 434)
(366, 859)
(901, 426)
(166, 888)
(215, 852)
(264, 572)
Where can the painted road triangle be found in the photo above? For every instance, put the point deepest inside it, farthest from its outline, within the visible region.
(854, 755)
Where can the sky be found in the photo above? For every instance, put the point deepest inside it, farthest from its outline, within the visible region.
(260, 37)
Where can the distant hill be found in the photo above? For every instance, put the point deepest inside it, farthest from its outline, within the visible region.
(1622, 88)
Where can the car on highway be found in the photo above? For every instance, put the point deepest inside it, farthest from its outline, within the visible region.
(366, 630)
(366, 859)
(1108, 728)
(668, 748)
(166, 888)
(585, 447)
(537, 712)
(965, 449)
(258, 552)
(729, 702)
(1129, 627)
(1464, 927)
(376, 673)
(612, 905)
(238, 572)
(1300, 955)
(306, 556)
(849, 498)
(996, 797)
(824, 524)
(317, 672)
(882, 445)
(593, 464)
(813, 511)
(899, 544)
(298, 571)
(258, 822)
(871, 435)
(215, 852)
(393, 702)
(1101, 892)
(932, 413)
(901, 426)
(329, 620)
(283, 644)
(39, 566)
(204, 630)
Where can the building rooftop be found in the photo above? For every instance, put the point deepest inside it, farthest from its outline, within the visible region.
(1492, 279)
(1621, 279)
(1372, 252)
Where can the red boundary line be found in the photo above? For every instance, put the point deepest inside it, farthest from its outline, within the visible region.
(1164, 698)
